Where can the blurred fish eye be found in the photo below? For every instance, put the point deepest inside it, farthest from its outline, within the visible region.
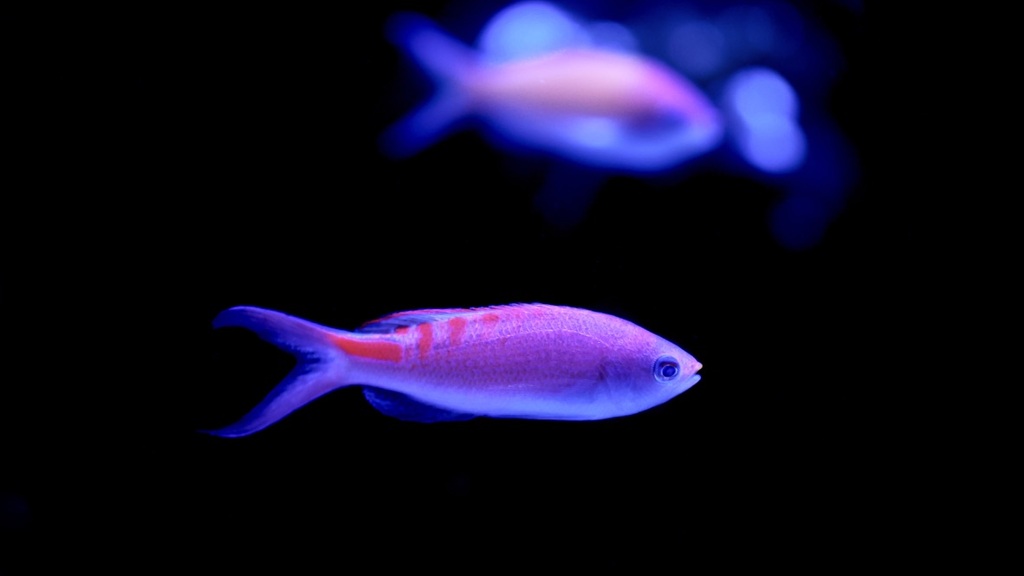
(666, 368)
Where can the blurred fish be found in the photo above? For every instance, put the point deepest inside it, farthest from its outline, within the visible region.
(533, 361)
(722, 86)
(600, 107)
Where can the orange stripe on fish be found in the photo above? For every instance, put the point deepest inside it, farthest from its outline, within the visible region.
(490, 319)
(456, 327)
(379, 350)
(426, 339)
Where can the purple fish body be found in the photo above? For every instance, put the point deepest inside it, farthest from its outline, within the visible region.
(531, 361)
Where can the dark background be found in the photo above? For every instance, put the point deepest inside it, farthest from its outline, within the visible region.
(190, 160)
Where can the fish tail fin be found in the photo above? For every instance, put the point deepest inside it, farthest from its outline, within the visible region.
(448, 62)
(443, 57)
(320, 367)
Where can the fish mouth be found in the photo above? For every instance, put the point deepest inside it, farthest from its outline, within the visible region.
(691, 380)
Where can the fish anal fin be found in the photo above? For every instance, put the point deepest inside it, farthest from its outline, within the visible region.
(404, 407)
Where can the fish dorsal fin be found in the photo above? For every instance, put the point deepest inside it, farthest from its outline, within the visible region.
(403, 407)
(392, 322)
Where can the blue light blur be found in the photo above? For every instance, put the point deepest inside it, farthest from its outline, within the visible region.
(528, 29)
(765, 108)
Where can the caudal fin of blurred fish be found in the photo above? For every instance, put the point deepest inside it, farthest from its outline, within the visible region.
(448, 62)
(319, 369)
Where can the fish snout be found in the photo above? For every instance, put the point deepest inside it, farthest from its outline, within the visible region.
(689, 364)
(690, 367)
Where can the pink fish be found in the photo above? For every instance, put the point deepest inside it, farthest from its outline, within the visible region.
(517, 361)
(598, 107)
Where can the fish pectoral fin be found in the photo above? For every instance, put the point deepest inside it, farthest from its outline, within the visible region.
(404, 407)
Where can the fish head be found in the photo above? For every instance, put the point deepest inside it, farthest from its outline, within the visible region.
(652, 371)
(674, 369)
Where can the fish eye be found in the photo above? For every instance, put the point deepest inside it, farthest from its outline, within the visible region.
(666, 368)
